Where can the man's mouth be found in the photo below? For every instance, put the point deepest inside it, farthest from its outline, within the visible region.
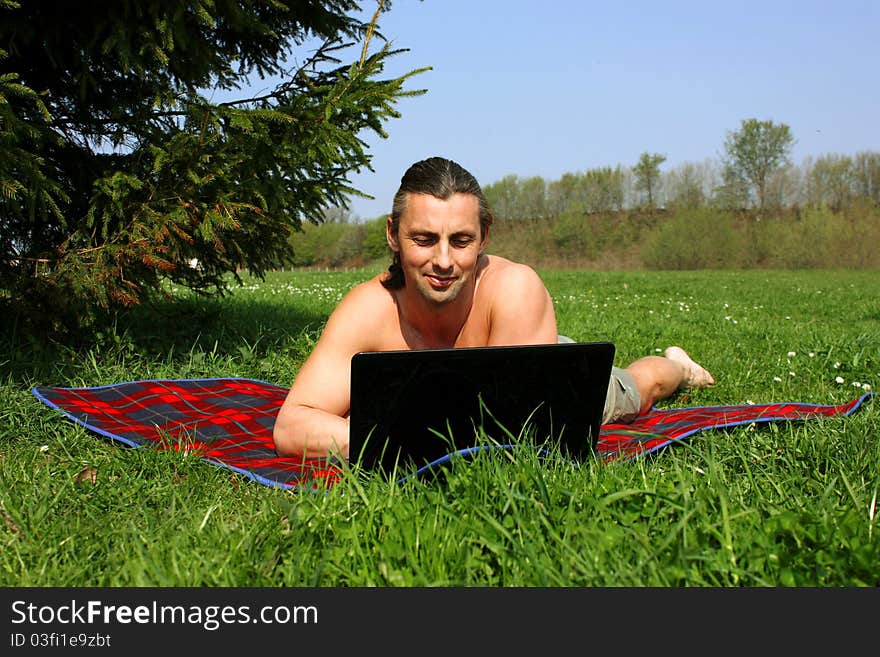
(440, 282)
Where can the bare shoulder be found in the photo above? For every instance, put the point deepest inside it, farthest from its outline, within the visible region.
(362, 313)
(517, 304)
(503, 275)
(368, 293)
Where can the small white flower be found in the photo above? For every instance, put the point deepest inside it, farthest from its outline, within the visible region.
(838, 379)
(44, 448)
(866, 387)
(776, 378)
(836, 364)
(856, 384)
(791, 374)
(792, 353)
(811, 354)
(750, 402)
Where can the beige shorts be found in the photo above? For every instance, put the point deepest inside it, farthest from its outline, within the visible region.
(622, 401)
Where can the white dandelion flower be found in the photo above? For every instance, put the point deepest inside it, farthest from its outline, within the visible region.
(838, 379)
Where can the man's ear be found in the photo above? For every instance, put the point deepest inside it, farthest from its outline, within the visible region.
(484, 241)
(390, 235)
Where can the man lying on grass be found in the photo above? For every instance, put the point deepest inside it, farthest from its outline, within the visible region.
(442, 291)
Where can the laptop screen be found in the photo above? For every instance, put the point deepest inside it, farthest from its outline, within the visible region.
(411, 408)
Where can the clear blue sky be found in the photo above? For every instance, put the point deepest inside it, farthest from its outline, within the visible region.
(531, 87)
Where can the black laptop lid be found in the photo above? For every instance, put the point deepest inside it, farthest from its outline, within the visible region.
(417, 407)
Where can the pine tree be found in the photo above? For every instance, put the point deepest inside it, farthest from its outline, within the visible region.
(117, 169)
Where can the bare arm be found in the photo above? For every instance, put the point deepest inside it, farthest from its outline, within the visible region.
(521, 311)
(313, 421)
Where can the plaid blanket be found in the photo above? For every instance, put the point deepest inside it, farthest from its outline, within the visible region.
(229, 421)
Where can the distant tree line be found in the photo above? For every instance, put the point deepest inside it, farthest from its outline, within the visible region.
(689, 185)
(747, 177)
(834, 180)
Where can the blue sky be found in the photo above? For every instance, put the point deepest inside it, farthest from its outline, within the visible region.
(542, 88)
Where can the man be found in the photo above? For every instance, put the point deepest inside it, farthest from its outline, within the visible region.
(442, 291)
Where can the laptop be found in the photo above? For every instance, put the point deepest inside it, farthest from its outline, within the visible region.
(417, 408)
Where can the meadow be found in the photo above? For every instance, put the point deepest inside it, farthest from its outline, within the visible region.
(791, 504)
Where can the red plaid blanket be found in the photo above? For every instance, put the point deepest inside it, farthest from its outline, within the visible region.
(229, 422)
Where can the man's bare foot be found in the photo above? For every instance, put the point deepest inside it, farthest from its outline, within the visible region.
(695, 376)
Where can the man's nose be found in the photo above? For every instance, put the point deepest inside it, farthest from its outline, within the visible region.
(442, 255)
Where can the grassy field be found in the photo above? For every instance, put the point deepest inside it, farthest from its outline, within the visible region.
(770, 505)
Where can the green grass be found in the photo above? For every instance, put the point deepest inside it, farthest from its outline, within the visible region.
(784, 504)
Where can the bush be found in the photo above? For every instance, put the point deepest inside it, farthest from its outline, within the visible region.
(699, 238)
(572, 235)
(857, 234)
(818, 238)
(799, 243)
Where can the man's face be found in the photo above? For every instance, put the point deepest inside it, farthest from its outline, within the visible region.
(439, 243)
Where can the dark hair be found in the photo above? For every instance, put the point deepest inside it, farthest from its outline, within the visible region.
(440, 178)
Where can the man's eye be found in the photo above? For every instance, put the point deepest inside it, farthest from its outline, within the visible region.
(462, 242)
(423, 241)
